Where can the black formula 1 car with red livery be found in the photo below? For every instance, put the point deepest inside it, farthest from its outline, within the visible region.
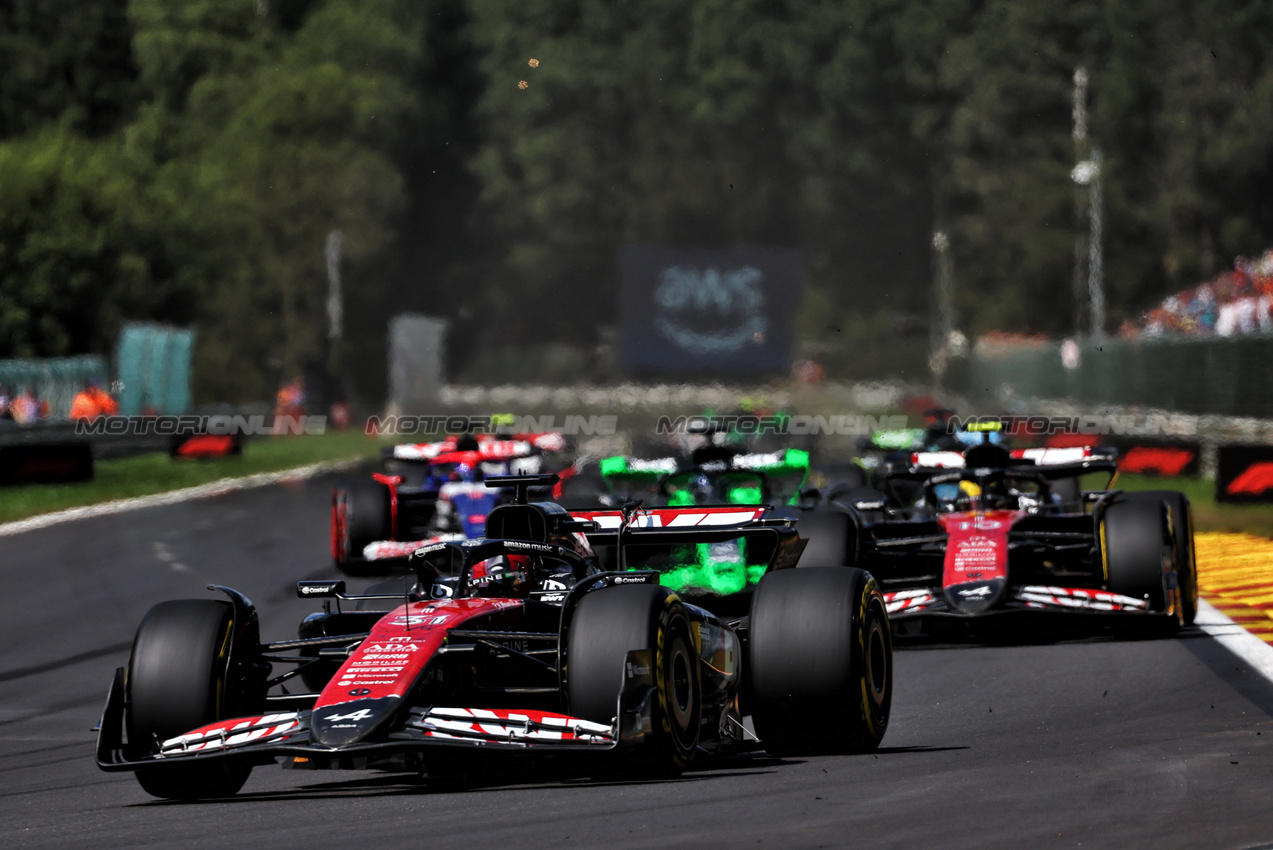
(991, 531)
(515, 644)
(432, 490)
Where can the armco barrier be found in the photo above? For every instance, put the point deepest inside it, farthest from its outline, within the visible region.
(46, 463)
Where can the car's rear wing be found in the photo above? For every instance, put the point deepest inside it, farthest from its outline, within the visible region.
(489, 447)
(1048, 471)
(688, 525)
(787, 468)
(1038, 457)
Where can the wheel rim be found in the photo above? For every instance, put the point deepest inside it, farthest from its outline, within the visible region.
(342, 528)
(680, 687)
(876, 659)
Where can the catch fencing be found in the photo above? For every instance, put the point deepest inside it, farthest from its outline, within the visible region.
(153, 363)
(1228, 377)
(56, 380)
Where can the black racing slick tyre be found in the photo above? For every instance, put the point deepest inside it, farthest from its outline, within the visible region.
(821, 661)
(830, 536)
(176, 683)
(1136, 552)
(360, 515)
(1182, 535)
(609, 623)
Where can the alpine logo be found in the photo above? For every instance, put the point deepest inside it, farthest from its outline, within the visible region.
(360, 714)
(975, 592)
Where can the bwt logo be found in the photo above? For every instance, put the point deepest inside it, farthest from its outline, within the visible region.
(693, 299)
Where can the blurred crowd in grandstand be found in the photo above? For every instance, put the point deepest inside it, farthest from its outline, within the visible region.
(1234, 302)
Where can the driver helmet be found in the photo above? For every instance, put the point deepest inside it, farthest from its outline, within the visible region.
(969, 495)
(501, 576)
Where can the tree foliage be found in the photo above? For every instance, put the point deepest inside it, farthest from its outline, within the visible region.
(185, 162)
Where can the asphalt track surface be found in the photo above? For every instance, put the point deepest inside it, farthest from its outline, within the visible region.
(1098, 743)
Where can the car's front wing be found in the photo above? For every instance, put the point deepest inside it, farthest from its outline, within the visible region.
(902, 604)
(287, 734)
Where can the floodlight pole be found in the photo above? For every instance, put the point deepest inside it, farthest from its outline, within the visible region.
(1095, 274)
(335, 305)
(1080, 197)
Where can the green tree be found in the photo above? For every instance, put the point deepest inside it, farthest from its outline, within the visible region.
(65, 61)
(81, 246)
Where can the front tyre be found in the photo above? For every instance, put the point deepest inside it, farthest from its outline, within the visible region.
(1137, 550)
(821, 661)
(175, 683)
(1182, 534)
(607, 625)
(360, 515)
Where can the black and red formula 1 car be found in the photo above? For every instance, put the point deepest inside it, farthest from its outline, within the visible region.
(515, 643)
(989, 531)
(432, 490)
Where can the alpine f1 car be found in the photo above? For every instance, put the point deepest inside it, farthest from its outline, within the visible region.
(515, 643)
(430, 490)
(988, 531)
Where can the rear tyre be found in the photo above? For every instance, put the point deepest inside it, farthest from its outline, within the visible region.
(360, 515)
(176, 682)
(1137, 551)
(821, 661)
(829, 533)
(611, 622)
(1182, 535)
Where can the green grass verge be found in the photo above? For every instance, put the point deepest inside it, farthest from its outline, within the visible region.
(156, 472)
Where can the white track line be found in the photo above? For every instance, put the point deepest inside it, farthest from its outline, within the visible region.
(1236, 639)
(203, 491)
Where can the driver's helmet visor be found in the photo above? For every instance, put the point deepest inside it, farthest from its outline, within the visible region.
(963, 494)
(502, 576)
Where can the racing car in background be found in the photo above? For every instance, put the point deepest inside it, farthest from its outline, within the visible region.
(432, 490)
(713, 475)
(514, 644)
(994, 531)
(887, 449)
